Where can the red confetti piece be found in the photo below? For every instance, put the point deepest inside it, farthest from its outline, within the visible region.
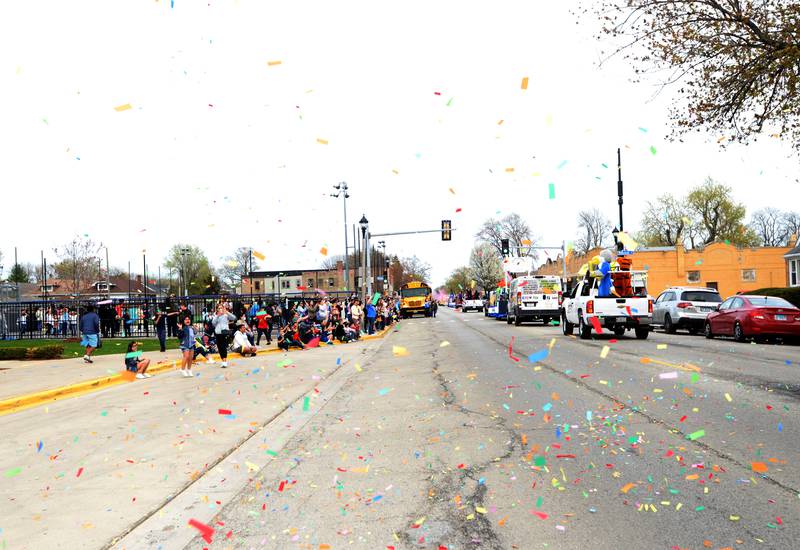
(206, 531)
(281, 486)
(682, 418)
(458, 210)
(460, 466)
(565, 456)
(224, 411)
(541, 515)
(80, 471)
(596, 325)
(585, 375)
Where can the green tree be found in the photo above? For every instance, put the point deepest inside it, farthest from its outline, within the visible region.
(720, 218)
(484, 266)
(735, 63)
(458, 280)
(192, 266)
(212, 285)
(664, 222)
(18, 275)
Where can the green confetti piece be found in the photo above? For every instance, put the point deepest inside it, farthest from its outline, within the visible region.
(551, 189)
(695, 378)
(306, 401)
(604, 165)
(653, 149)
(539, 461)
(699, 508)
(271, 453)
(103, 413)
(539, 502)
(450, 101)
(643, 130)
(562, 165)
(696, 435)
(13, 472)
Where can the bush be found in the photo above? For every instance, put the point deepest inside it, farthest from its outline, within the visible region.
(20, 354)
(791, 295)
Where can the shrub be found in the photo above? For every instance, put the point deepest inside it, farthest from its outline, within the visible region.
(791, 295)
(43, 352)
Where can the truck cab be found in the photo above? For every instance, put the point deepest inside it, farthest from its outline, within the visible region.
(632, 310)
(534, 297)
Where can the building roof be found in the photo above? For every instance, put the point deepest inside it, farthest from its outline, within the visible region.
(273, 274)
(793, 252)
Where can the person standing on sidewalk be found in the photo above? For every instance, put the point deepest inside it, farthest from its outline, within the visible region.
(222, 331)
(186, 337)
(263, 319)
(161, 329)
(371, 314)
(90, 330)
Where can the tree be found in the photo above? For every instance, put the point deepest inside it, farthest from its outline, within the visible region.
(18, 275)
(770, 227)
(237, 266)
(719, 216)
(458, 280)
(593, 230)
(414, 269)
(791, 221)
(211, 284)
(192, 267)
(735, 62)
(511, 227)
(484, 266)
(78, 265)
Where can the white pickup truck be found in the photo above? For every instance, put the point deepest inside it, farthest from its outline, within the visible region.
(582, 308)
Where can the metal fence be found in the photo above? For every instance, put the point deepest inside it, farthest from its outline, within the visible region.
(123, 318)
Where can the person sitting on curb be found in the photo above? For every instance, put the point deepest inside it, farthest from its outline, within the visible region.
(134, 361)
(287, 337)
(200, 349)
(241, 344)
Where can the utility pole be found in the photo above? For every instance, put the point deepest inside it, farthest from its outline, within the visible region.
(341, 190)
(108, 272)
(144, 275)
(129, 280)
(16, 266)
(619, 186)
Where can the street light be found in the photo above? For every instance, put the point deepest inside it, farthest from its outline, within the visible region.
(364, 224)
(341, 190)
(615, 233)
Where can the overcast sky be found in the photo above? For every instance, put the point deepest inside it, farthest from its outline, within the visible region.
(224, 147)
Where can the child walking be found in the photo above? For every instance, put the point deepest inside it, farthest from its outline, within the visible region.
(186, 337)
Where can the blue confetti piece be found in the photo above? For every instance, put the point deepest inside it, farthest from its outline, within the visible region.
(377, 498)
(558, 433)
(547, 406)
(171, 4)
(540, 355)
(39, 446)
(230, 416)
(780, 426)
(481, 480)
(562, 165)
(384, 391)
(788, 362)
(589, 416)
(338, 361)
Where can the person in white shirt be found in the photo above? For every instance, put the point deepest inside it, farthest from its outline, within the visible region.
(355, 313)
(241, 344)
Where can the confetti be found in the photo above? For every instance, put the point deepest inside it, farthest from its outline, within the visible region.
(759, 467)
(551, 190)
(224, 411)
(322, 141)
(661, 346)
(596, 325)
(653, 149)
(259, 255)
(12, 472)
(206, 531)
(273, 63)
(444, 343)
(525, 83)
(540, 355)
(399, 351)
(696, 435)
(306, 402)
(120, 108)
(604, 352)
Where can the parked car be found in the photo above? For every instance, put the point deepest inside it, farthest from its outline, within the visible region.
(684, 307)
(747, 316)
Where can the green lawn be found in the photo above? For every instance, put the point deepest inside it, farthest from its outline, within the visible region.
(74, 349)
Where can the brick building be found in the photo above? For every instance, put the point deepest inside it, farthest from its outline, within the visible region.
(726, 267)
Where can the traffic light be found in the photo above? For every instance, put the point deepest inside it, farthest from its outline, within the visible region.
(504, 247)
(446, 234)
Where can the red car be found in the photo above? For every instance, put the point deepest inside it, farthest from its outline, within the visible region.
(746, 317)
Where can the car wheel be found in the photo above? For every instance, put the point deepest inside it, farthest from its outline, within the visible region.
(619, 331)
(584, 330)
(738, 333)
(707, 330)
(642, 332)
(669, 326)
(566, 326)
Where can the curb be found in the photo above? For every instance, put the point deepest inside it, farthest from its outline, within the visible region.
(28, 401)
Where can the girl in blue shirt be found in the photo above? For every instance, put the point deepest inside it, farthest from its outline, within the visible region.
(186, 335)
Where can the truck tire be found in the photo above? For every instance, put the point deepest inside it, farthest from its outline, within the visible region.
(642, 332)
(584, 330)
(566, 326)
(619, 331)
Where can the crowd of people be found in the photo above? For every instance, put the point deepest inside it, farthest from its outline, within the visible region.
(240, 327)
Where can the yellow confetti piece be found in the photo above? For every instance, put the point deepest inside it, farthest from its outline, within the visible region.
(525, 83)
(259, 255)
(358, 367)
(399, 351)
(627, 487)
(733, 518)
(552, 343)
(728, 397)
(322, 141)
(661, 346)
(499, 122)
(510, 169)
(420, 521)
(480, 510)
(120, 108)
(604, 352)
(444, 344)
(679, 506)
(273, 63)
(395, 171)
(252, 467)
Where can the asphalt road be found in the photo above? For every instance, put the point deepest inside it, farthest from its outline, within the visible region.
(445, 434)
(462, 446)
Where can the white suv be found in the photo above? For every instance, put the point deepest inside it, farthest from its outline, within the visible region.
(685, 307)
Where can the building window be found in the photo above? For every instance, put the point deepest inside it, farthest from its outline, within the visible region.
(311, 283)
(693, 276)
(102, 287)
(258, 285)
(285, 284)
(272, 285)
(298, 283)
(794, 272)
(331, 282)
(749, 275)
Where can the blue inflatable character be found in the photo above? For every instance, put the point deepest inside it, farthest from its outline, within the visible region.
(603, 273)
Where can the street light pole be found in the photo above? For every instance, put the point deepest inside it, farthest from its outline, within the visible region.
(619, 186)
(364, 223)
(341, 190)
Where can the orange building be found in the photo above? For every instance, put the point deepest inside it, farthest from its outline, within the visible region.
(726, 267)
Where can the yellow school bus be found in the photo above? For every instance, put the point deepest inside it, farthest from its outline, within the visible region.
(415, 297)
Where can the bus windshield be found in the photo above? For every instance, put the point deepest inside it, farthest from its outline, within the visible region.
(413, 292)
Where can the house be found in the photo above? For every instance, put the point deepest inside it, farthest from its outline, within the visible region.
(726, 267)
(295, 281)
(793, 264)
(120, 287)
